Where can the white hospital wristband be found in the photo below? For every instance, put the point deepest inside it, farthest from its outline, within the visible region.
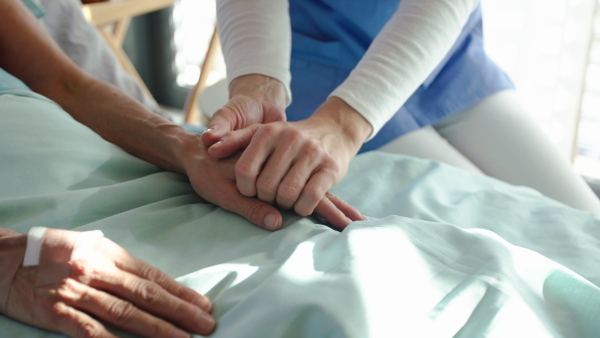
(34, 246)
(83, 245)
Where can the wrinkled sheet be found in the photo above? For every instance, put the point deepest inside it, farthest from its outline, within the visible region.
(445, 253)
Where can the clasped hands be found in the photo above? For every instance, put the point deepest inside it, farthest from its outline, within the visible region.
(289, 164)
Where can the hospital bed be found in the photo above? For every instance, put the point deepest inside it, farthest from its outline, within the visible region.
(446, 253)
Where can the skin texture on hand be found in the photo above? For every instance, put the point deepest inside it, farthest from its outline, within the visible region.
(294, 164)
(111, 285)
(215, 181)
(253, 99)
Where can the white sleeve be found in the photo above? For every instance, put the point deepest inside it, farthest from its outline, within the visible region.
(409, 47)
(256, 38)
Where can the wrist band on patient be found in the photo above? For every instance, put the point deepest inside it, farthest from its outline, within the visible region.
(12, 250)
(58, 246)
(50, 249)
(34, 245)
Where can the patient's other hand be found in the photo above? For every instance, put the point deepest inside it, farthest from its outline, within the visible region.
(111, 285)
(254, 99)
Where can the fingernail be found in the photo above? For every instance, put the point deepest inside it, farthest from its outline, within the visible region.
(204, 321)
(349, 220)
(216, 144)
(177, 333)
(271, 221)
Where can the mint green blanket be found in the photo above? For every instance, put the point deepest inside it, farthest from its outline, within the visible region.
(446, 252)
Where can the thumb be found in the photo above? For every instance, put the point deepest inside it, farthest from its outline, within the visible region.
(233, 142)
(256, 211)
(222, 122)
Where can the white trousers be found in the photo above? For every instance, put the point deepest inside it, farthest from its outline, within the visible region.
(498, 138)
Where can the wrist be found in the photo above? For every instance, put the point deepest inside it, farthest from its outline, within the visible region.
(188, 149)
(262, 87)
(355, 128)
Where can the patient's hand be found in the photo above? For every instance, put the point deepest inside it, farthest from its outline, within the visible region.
(294, 164)
(215, 181)
(111, 285)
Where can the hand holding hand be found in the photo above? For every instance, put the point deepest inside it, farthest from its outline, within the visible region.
(253, 99)
(108, 284)
(294, 164)
(215, 181)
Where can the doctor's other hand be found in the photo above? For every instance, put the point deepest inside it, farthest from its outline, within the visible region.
(215, 181)
(294, 164)
(107, 284)
(253, 99)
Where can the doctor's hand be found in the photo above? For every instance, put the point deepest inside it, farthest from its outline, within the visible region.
(294, 164)
(215, 181)
(107, 284)
(253, 99)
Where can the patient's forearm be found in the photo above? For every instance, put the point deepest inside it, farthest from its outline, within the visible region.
(123, 121)
(105, 109)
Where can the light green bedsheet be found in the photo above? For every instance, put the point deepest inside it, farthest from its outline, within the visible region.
(446, 253)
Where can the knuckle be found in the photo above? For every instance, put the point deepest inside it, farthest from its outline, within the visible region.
(82, 270)
(311, 148)
(152, 273)
(266, 186)
(301, 210)
(330, 164)
(120, 312)
(253, 211)
(65, 290)
(147, 292)
(293, 135)
(89, 330)
(244, 170)
(267, 129)
(288, 192)
(313, 193)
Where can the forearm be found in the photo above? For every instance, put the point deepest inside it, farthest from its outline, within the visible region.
(405, 52)
(256, 39)
(123, 121)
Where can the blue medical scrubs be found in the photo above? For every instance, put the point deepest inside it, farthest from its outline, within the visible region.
(329, 37)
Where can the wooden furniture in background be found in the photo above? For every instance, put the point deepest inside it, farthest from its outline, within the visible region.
(112, 19)
(191, 109)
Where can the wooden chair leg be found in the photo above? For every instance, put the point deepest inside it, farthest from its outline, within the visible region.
(191, 110)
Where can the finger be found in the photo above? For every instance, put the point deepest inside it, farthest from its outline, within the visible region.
(252, 160)
(345, 208)
(293, 183)
(140, 306)
(256, 211)
(74, 323)
(144, 270)
(281, 168)
(327, 209)
(313, 192)
(233, 142)
(222, 122)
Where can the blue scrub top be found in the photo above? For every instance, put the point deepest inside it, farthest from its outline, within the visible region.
(329, 37)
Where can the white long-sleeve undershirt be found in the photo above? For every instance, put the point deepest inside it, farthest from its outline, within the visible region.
(256, 38)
